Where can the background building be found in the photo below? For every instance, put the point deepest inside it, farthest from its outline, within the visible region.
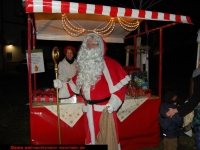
(13, 33)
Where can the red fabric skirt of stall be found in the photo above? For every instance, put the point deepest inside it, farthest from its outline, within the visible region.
(139, 130)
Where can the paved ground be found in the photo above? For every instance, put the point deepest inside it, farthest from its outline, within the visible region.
(14, 113)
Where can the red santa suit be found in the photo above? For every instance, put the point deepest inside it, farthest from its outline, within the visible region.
(111, 86)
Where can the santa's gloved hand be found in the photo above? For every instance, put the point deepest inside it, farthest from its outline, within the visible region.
(110, 108)
(57, 83)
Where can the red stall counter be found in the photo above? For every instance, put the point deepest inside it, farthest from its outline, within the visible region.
(137, 122)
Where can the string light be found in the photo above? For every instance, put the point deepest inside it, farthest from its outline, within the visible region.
(127, 25)
(105, 31)
(70, 28)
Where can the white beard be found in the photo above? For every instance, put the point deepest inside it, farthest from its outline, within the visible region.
(90, 68)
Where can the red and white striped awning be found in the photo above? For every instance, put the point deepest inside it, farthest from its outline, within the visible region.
(50, 6)
(48, 18)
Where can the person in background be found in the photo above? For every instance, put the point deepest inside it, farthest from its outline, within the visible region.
(193, 101)
(189, 106)
(67, 67)
(196, 126)
(170, 127)
(102, 83)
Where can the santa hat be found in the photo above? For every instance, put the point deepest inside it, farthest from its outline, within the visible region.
(69, 47)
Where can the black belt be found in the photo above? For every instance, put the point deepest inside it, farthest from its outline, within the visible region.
(91, 102)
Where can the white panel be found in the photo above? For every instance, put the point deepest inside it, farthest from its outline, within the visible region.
(53, 30)
(73, 7)
(148, 15)
(69, 38)
(37, 6)
(172, 17)
(121, 12)
(160, 16)
(56, 7)
(135, 13)
(90, 9)
(106, 10)
(183, 19)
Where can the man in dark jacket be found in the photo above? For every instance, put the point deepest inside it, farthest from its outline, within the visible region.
(170, 127)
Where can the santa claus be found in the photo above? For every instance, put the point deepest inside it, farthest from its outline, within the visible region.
(101, 80)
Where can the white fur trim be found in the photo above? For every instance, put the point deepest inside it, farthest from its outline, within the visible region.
(74, 88)
(84, 108)
(63, 91)
(115, 102)
(119, 146)
(110, 83)
(99, 108)
(91, 123)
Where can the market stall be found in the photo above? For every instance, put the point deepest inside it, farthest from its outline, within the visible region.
(53, 122)
(135, 118)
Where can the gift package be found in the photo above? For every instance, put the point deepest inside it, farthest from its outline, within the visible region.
(138, 86)
(44, 95)
(49, 95)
